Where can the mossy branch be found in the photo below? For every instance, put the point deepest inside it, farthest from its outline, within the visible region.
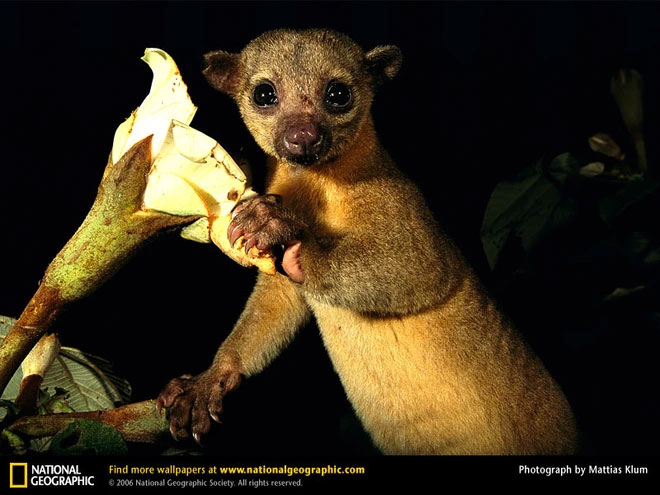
(138, 422)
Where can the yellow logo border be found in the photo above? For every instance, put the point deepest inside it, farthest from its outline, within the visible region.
(11, 474)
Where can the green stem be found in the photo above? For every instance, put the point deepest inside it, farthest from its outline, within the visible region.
(640, 149)
(28, 329)
(114, 229)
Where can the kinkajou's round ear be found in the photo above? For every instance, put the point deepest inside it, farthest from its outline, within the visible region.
(223, 71)
(383, 62)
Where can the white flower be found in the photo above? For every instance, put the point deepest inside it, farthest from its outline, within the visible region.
(191, 174)
(167, 100)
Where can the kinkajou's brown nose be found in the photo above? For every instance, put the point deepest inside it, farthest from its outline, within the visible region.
(303, 139)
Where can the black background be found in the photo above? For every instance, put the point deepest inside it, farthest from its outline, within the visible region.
(485, 89)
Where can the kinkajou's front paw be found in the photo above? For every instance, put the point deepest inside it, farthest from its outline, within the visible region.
(193, 401)
(264, 223)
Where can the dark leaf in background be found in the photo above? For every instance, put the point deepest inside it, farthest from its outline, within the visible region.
(528, 206)
(613, 206)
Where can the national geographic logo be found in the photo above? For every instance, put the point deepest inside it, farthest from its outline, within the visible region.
(18, 474)
(22, 475)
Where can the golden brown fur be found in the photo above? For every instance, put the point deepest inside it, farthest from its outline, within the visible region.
(427, 360)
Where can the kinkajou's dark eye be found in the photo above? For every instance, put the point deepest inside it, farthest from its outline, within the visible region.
(265, 95)
(338, 95)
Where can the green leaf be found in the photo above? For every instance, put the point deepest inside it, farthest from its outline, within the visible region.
(88, 379)
(7, 410)
(11, 391)
(528, 206)
(56, 403)
(563, 166)
(40, 444)
(88, 437)
(503, 210)
(15, 442)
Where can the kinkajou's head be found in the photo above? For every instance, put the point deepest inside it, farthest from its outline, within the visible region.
(303, 94)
